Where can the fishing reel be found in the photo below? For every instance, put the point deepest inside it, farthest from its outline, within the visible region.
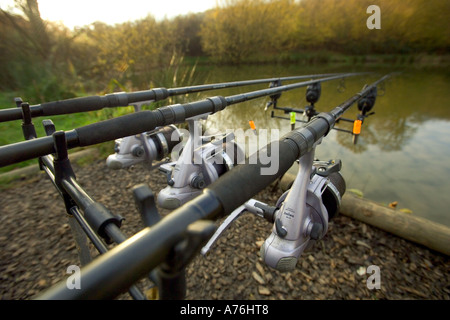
(202, 161)
(146, 148)
(300, 216)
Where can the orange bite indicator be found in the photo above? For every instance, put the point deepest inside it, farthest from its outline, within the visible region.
(357, 126)
(252, 126)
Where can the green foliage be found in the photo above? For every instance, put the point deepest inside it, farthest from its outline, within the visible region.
(240, 29)
(46, 61)
(35, 56)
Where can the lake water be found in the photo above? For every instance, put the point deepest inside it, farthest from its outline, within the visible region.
(403, 153)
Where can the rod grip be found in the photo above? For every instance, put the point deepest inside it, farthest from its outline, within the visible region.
(92, 103)
(119, 127)
(143, 121)
(26, 150)
(250, 175)
(10, 114)
(111, 129)
(83, 136)
(74, 105)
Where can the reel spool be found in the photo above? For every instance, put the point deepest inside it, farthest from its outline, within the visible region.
(197, 168)
(334, 188)
(146, 147)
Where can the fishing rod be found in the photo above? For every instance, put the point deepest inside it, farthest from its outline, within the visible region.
(138, 122)
(123, 99)
(140, 148)
(203, 160)
(97, 216)
(186, 228)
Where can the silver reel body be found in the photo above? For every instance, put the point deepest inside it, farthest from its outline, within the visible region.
(203, 160)
(294, 230)
(305, 210)
(147, 148)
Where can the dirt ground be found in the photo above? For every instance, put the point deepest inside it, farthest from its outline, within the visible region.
(37, 247)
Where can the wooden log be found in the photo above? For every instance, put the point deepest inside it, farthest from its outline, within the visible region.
(416, 229)
(425, 232)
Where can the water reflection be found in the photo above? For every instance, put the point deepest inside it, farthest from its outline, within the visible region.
(395, 158)
(389, 135)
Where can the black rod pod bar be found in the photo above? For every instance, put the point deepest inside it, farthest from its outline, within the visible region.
(97, 220)
(138, 122)
(118, 269)
(123, 99)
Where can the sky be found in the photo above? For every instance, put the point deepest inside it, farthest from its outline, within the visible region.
(82, 12)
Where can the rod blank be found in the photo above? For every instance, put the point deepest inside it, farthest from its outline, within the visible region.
(137, 123)
(123, 99)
